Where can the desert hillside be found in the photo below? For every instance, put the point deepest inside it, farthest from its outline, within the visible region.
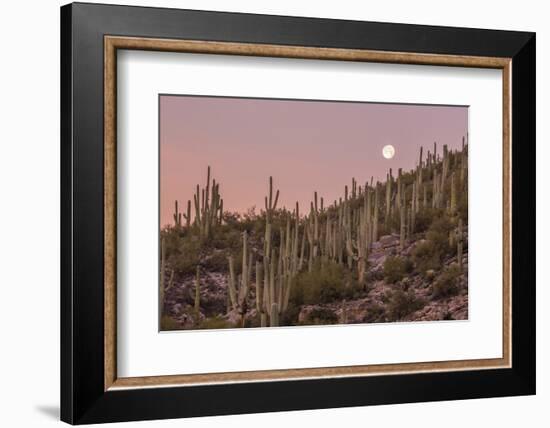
(384, 251)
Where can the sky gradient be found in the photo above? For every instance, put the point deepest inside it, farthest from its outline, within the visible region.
(304, 145)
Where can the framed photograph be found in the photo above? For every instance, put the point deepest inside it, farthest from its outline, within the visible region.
(266, 213)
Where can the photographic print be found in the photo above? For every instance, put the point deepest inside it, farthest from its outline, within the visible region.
(283, 212)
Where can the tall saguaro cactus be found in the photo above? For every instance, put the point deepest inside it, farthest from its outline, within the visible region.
(260, 305)
(453, 194)
(177, 215)
(459, 244)
(238, 287)
(208, 207)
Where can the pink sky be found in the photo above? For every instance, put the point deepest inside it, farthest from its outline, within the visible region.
(304, 145)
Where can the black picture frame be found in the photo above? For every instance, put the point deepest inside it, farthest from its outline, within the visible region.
(83, 398)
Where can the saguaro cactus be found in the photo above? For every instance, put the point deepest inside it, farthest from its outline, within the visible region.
(274, 317)
(463, 162)
(208, 207)
(375, 216)
(402, 228)
(188, 215)
(453, 194)
(459, 244)
(238, 288)
(260, 304)
(177, 214)
(270, 204)
(388, 196)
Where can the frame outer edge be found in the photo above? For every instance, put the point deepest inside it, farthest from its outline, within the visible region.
(66, 226)
(82, 401)
(524, 219)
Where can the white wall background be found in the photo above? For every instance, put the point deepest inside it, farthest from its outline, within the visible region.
(29, 212)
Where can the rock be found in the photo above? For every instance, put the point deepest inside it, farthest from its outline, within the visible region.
(376, 261)
(389, 241)
(306, 311)
(376, 245)
(176, 309)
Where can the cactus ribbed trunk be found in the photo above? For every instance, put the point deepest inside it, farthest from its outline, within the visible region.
(375, 216)
(459, 245)
(388, 197)
(274, 317)
(453, 194)
(402, 228)
(176, 214)
(239, 287)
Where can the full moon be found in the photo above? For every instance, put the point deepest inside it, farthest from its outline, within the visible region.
(388, 151)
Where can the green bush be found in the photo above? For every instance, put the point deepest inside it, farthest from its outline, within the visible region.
(183, 254)
(324, 284)
(401, 304)
(448, 283)
(226, 237)
(424, 219)
(426, 256)
(395, 269)
(374, 275)
(438, 233)
(217, 262)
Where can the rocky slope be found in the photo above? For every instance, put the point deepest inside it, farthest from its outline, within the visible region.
(410, 299)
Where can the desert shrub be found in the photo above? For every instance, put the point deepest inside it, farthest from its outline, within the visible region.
(374, 313)
(167, 323)
(448, 316)
(320, 316)
(183, 254)
(438, 233)
(395, 268)
(324, 284)
(290, 316)
(374, 275)
(258, 226)
(231, 219)
(216, 322)
(426, 256)
(448, 283)
(226, 237)
(401, 304)
(424, 219)
(216, 262)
